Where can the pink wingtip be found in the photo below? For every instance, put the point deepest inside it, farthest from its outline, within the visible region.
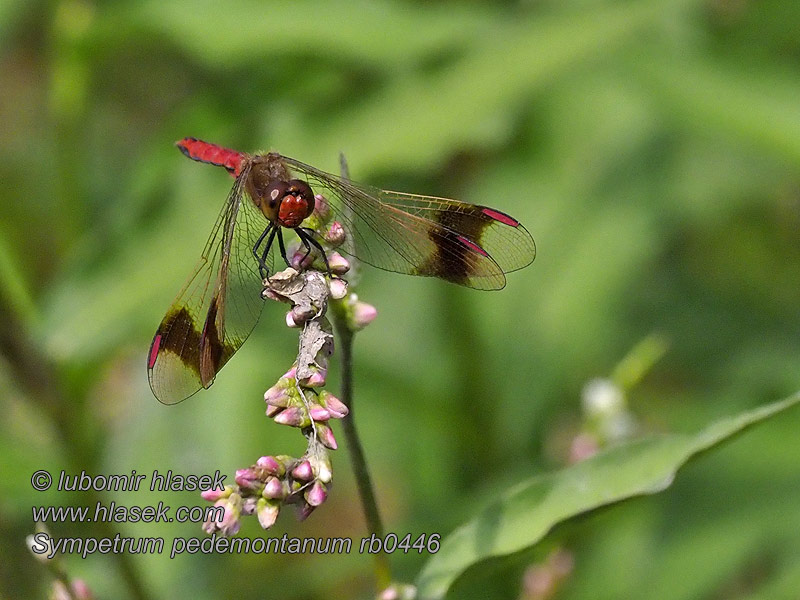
(472, 246)
(151, 361)
(500, 216)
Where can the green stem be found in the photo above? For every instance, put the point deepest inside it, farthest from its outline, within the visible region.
(383, 571)
(366, 490)
(61, 575)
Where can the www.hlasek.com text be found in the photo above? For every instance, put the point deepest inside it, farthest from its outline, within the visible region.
(43, 544)
(119, 513)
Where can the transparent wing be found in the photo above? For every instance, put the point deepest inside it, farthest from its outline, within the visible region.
(217, 308)
(467, 244)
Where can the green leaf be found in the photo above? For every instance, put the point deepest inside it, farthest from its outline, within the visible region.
(524, 515)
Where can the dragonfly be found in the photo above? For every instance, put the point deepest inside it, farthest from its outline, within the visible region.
(212, 316)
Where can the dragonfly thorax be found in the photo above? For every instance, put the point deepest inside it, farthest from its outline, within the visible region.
(284, 201)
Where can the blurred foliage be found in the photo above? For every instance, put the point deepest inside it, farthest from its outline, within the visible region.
(653, 150)
(521, 517)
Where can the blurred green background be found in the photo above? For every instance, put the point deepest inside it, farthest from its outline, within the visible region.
(652, 148)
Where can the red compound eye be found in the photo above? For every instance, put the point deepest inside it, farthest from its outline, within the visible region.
(297, 204)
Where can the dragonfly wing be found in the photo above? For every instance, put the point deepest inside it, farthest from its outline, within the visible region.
(463, 243)
(217, 308)
(499, 234)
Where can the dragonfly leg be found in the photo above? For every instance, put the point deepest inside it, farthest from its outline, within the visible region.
(262, 259)
(308, 249)
(261, 239)
(283, 248)
(307, 237)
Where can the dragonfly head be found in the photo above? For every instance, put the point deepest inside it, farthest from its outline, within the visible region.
(283, 200)
(286, 203)
(296, 204)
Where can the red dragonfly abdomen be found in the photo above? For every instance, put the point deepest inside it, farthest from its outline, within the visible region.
(212, 154)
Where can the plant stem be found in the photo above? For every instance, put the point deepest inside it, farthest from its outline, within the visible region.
(61, 575)
(366, 490)
(383, 571)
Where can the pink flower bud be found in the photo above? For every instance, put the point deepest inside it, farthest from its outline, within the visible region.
(294, 416)
(317, 379)
(273, 488)
(583, 446)
(325, 435)
(389, 593)
(321, 207)
(230, 522)
(398, 591)
(363, 314)
(215, 494)
(277, 395)
(267, 512)
(248, 479)
(317, 494)
(319, 413)
(336, 407)
(335, 235)
(229, 525)
(249, 505)
(339, 264)
(270, 465)
(338, 288)
(80, 590)
(303, 471)
(300, 260)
